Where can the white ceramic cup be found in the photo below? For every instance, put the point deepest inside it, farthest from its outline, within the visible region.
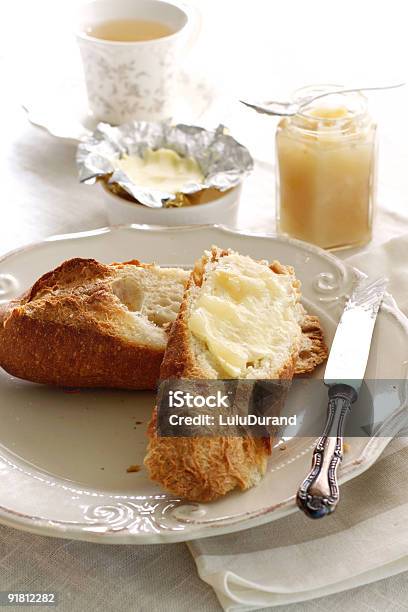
(134, 80)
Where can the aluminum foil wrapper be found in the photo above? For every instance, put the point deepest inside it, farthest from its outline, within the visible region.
(223, 161)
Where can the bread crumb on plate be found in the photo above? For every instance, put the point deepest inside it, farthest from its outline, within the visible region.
(133, 468)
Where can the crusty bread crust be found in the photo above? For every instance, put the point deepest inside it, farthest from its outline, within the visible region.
(55, 354)
(313, 350)
(205, 468)
(62, 332)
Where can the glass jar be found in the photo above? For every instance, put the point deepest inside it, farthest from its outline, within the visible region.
(326, 171)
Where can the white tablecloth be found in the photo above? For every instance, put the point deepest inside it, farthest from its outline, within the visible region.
(41, 196)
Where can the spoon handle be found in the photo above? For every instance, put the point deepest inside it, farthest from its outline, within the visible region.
(307, 101)
(288, 109)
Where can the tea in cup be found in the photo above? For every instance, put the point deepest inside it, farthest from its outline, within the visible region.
(132, 51)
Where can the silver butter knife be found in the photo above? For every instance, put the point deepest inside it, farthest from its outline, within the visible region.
(318, 494)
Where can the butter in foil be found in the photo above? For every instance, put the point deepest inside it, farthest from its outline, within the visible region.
(223, 161)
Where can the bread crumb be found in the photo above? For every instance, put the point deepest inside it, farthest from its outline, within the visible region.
(133, 468)
(282, 447)
(346, 447)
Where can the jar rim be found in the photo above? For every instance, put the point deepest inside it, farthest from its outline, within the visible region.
(358, 112)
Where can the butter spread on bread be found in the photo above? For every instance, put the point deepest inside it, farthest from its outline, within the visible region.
(247, 316)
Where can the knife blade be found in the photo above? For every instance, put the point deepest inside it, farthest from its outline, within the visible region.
(318, 494)
(351, 344)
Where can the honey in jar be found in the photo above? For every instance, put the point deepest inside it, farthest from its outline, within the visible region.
(326, 170)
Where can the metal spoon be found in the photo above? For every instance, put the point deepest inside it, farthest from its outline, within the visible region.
(288, 109)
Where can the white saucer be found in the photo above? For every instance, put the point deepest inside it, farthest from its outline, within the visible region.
(56, 101)
(59, 104)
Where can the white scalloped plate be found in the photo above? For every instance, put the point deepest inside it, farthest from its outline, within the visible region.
(63, 456)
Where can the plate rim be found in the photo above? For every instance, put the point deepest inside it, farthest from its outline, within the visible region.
(71, 530)
(106, 229)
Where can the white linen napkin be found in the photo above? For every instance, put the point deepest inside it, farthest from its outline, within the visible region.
(295, 559)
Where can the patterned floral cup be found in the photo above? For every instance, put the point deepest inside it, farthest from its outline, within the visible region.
(134, 80)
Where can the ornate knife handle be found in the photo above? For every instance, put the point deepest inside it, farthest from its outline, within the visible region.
(319, 492)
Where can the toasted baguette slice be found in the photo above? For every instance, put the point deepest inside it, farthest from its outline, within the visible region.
(87, 324)
(204, 468)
